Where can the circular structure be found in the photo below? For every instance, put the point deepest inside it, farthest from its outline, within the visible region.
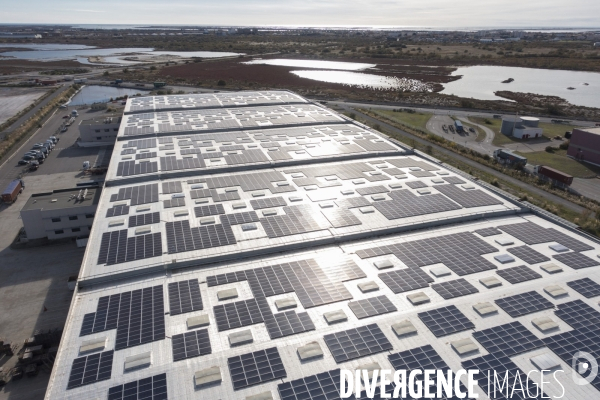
(531, 122)
(508, 124)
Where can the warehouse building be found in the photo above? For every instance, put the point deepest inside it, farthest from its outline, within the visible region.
(61, 213)
(584, 145)
(254, 244)
(99, 131)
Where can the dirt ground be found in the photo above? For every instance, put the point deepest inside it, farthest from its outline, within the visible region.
(13, 100)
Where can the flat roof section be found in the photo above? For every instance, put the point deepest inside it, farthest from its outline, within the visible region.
(223, 119)
(135, 160)
(325, 280)
(213, 100)
(101, 120)
(64, 198)
(214, 217)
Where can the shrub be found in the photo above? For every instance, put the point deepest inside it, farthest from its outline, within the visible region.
(564, 145)
(221, 83)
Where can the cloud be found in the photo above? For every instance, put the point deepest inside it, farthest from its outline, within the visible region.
(89, 11)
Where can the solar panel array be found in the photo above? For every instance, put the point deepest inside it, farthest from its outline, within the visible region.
(115, 211)
(323, 386)
(90, 369)
(144, 219)
(152, 388)
(357, 342)
(531, 233)
(458, 251)
(184, 297)
(406, 204)
(372, 306)
(116, 247)
(576, 260)
(485, 232)
(404, 280)
(191, 344)
(141, 194)
(445, 321)
(508, 339)
(255, 368)
(138, 317)
(527, 254)
(468, 198)
(586, 287)
(182, 237)
(455, 288)
(518, 274)
(524, 303)
(579, 315)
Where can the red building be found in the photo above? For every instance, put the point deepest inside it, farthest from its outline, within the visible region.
(585, 145)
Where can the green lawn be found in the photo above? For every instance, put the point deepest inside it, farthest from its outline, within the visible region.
(559, 160)
(414, 120)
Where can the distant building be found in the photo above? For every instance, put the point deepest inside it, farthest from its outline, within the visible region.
(99, 131)
(597, 44)
(60, 214)
(521, 127)
(585, 145)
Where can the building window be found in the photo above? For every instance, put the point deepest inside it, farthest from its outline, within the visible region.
(97, 130)
(75, 229)
(72, 217)
(89, 215)
(116, 129)
(55, 219)
(98, 137)
(107, 130)
(59, 232)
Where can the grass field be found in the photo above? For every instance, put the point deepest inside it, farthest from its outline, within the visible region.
(414, 120)
(561, 162)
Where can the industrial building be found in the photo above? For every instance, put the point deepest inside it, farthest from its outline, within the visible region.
(584, 145)
(521, 127)
(61, 213)
(253, 244)
(99, 131)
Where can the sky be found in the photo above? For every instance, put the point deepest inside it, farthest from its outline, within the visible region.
(399, 13)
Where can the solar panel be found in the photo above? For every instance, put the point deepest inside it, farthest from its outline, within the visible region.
(239, 218)
(116, 247)
(576, 260)
(527, 254)
(288, 323)
(405, 204)
(115, 211)
(408, 162)
(421, 174)
(175, 202)
(508, 339)
(191, 344)
(468, 198)
(340, 217)
(579, 315)
(524, 303)
(404, 280)
(372, 306)
(323, 386)
(138, 317)
(453, 180)
(90, 369)
(211, 209)
(531, 233)
(184, 297)
(518, 274)
(586, 287)
(357, 342)
(241, 313)
(505, 369)
(353, 202)
(459, 251)
(141, 194)
(255, 368)
(485, 232)
(172, 187)
(445, 321)
(416, 184)
(144, 219)
(152, 388)
(422, 359)
(372, 190)
(297, 219)
(456, 288)
(269, 202)
(181, 237)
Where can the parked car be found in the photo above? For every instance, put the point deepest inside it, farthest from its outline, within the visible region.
(65, 116)
(64, 128)
(471, 130)
(54, 139)
(23, 162)
(49, 143)
(28, 157)
(34, 165)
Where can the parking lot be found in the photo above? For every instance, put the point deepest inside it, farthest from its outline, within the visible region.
(33, 289)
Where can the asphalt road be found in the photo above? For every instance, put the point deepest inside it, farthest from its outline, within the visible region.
(542, 193)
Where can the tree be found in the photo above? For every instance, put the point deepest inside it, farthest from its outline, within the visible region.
(221, 83)
(106, 73)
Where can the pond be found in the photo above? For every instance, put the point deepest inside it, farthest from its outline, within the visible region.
(54, 52)
(348, 66)
(480, 82)
(365, 81)
(98, 94)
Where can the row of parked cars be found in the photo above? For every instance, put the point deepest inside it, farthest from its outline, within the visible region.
(38, 153)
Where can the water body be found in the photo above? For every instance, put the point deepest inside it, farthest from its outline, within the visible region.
(347, 66)
(55, 52)
(480, 82)
(365, 81)
(97, 94)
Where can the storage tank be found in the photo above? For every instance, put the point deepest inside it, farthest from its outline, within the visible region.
(531, 122)
(508, 124)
